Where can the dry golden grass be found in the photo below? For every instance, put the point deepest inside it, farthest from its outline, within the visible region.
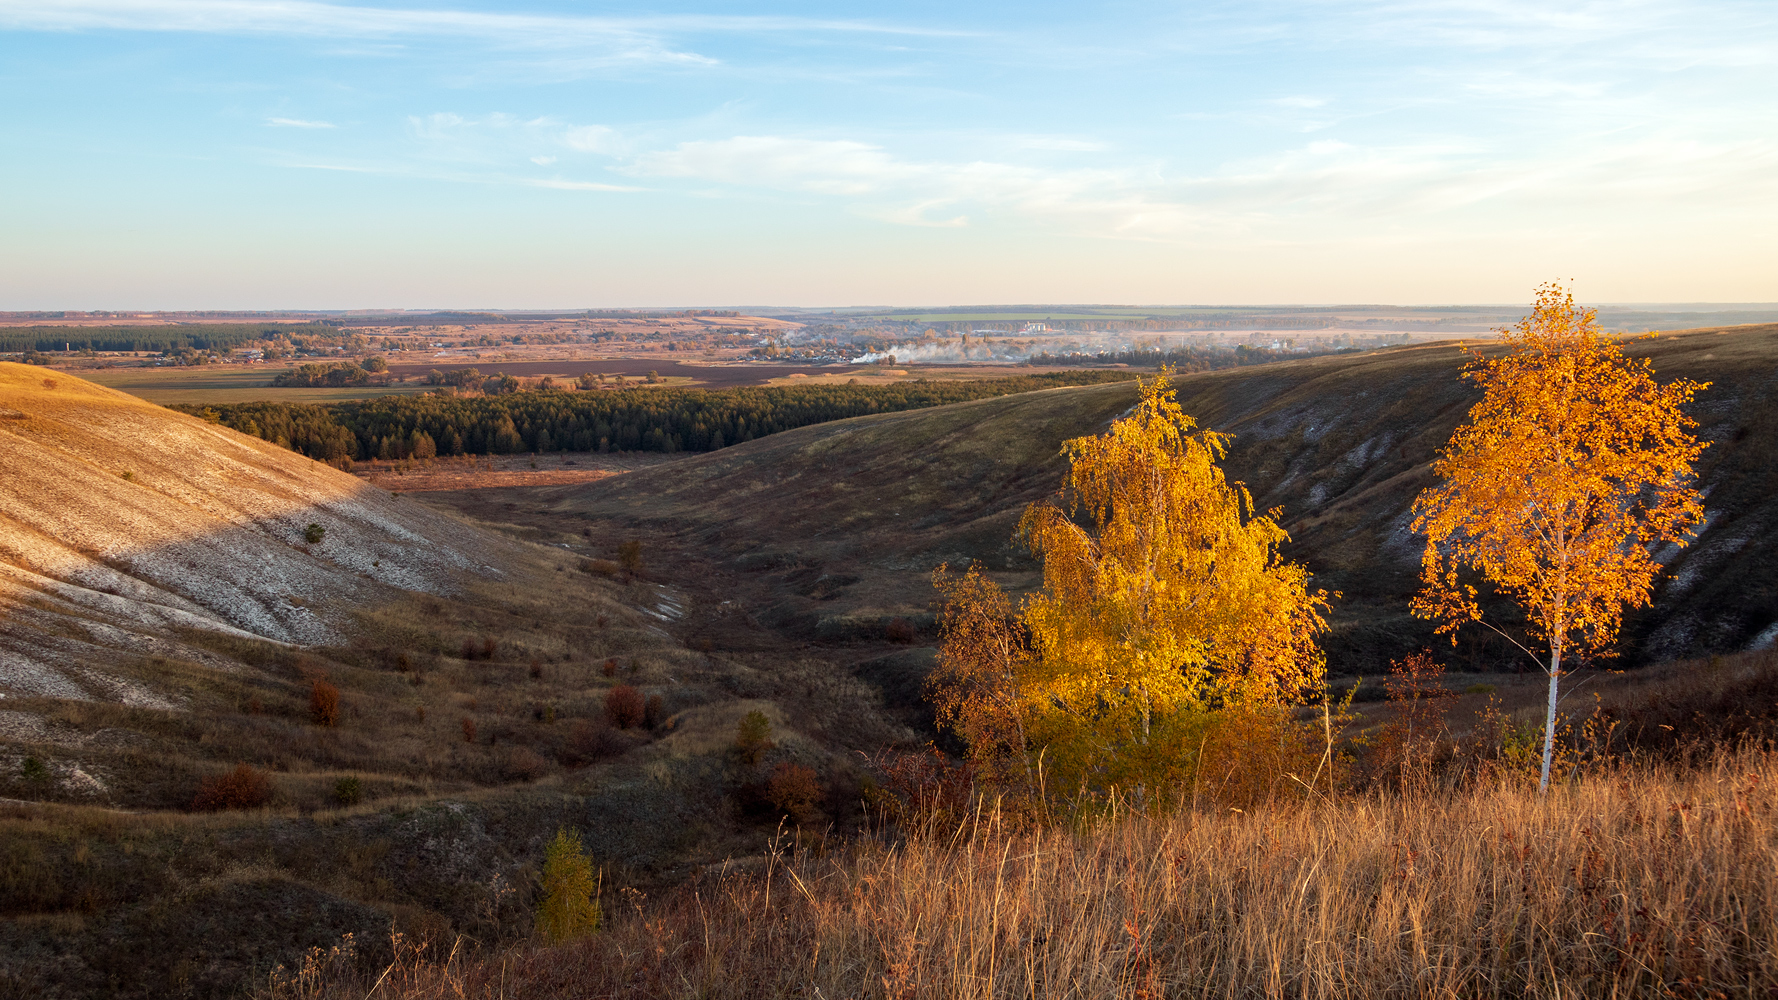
(1631, 882)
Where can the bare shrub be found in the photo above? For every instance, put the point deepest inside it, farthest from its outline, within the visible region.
(1408, 748)
(922, 791)
(241, 788)
(625, 707)
(655, 711)
(324, 703)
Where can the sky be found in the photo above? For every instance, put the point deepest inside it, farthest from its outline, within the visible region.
(239, 154)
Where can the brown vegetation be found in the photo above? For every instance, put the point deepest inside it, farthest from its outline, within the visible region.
(625, 707)
(241, 788)
(1633, 881)
(324, 703)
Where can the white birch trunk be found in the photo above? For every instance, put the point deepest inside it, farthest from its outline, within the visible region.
(1549, 721)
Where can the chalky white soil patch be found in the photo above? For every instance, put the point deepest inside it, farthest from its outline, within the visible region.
(124, 525)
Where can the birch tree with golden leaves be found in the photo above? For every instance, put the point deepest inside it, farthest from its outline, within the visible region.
(977, 689)
(1569, 474)
(1164, 601)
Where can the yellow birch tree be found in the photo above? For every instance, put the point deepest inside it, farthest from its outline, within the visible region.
(1569, 473)
(1164, 601)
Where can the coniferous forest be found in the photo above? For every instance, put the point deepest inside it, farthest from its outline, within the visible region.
(641, 419)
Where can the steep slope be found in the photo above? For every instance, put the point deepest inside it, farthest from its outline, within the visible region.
(124, 525)
(840, 524)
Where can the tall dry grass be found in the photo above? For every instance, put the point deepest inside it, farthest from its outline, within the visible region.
(1632, 882)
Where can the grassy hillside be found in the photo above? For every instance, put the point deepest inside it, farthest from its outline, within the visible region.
(418, 701)
(1638, 882)
(835, 528)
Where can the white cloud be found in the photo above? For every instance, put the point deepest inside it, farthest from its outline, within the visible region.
(543, 161)
(561, 185)
(596, 139)
(591, 41)
(297, 123)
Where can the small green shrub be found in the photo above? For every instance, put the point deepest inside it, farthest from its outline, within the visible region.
(314, 533)
(753, 736)
(569, 909)
(348, 791)
(629, 556)
(1479, 689)
(35, 771)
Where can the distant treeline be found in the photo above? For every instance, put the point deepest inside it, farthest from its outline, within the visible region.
(667, 420)
(201, 337)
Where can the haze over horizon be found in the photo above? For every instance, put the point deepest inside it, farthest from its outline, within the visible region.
(236, 154)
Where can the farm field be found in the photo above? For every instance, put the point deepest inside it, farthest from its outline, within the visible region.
(228, 384)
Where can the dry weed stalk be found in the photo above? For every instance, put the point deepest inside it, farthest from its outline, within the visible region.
(1634, 882)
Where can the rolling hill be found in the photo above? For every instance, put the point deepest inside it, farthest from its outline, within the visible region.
(832, 531)
(125, 527)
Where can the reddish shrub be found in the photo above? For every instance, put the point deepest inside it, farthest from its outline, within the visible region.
(324, 703)
(924, 791)
(468, 729)
(242, 788)
(592, 740)
(793, 789)
(610, 667)
(899, 630)
(624, 706)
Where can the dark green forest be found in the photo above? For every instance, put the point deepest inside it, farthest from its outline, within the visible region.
(201, 337)
(641, 419)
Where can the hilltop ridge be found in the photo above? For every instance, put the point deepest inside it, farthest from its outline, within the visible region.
(124, 524)
(840, 524)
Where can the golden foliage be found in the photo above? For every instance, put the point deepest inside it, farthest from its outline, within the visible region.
(1572, 469)
(1164, 601)
(569, 909)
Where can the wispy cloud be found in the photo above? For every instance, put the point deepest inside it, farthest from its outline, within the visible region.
(297, 123)
(591, 41)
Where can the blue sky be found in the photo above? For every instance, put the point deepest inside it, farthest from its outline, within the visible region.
(244, 154)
